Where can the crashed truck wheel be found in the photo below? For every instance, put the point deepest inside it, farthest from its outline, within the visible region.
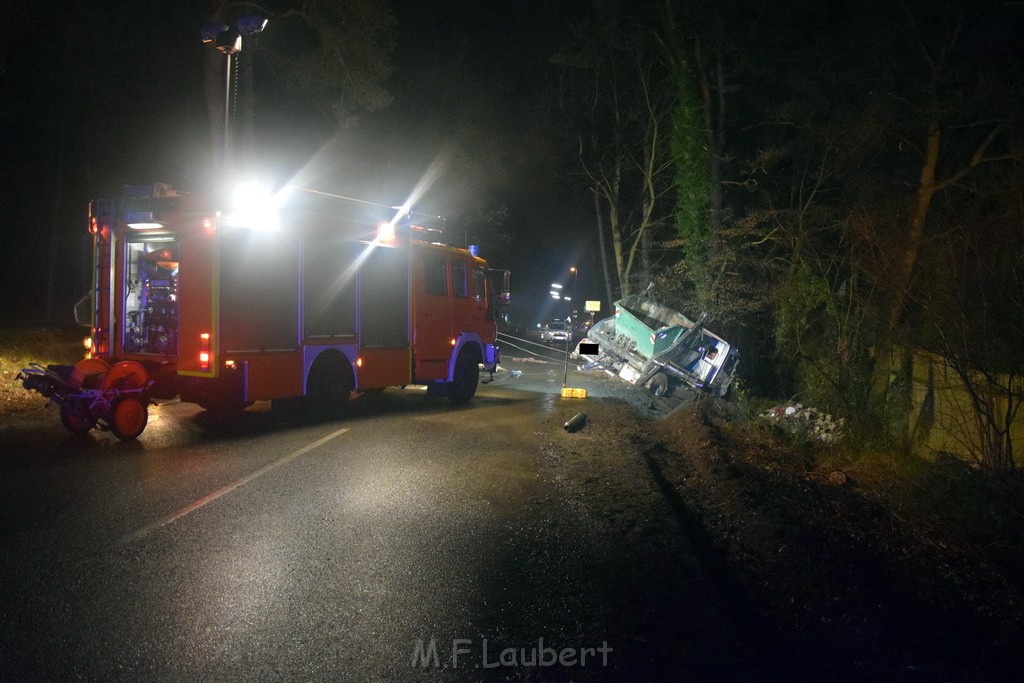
(658, 385)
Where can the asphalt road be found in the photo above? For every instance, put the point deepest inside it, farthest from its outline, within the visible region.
(411, 540)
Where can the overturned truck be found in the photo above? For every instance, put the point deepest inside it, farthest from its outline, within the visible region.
(654, 346)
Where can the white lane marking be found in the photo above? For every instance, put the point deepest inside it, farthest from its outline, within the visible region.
(210, 497)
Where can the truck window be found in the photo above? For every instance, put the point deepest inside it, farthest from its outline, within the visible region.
(435, 274)
(479, 284)
(460, 285)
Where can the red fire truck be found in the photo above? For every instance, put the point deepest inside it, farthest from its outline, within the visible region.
(290, 300)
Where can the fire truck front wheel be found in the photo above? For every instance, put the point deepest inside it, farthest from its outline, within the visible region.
(466, 376)
(328, 388)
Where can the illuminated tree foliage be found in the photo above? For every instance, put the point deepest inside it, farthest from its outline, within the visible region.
(692, 185)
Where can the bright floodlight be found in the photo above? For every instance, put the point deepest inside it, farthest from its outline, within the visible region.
(386, 232)
(556, 286)
(254, 207)
(251, 23)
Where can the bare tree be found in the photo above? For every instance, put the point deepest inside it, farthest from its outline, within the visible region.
(956, 137)
(975, 390)
(617, 96)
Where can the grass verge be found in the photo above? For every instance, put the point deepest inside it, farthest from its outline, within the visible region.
(19, 348)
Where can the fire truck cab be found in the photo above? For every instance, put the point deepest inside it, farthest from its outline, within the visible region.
(286, 300)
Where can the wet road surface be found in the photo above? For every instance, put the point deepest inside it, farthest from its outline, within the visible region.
(411, 540)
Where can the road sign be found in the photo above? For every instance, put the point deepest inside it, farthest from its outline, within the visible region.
(593, 306)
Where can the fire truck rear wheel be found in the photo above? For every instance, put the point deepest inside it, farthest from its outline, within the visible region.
(328, 388)
(466, 377)
(128, 417)
(73, 423)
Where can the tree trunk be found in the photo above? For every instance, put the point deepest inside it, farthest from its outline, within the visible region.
(615, 224)
(886, 361)
(604, 251)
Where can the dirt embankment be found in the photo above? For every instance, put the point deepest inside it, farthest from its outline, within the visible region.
(860, 567)
(862, 579)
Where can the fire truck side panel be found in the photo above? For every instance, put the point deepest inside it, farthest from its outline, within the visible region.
(384, 304)
(432, 314)
(197, 305)
(383, 368)
(384, 298)
(330, 288)
(274, 375)
(258, 274)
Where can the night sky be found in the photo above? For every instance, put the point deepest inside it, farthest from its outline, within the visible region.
(103, 94)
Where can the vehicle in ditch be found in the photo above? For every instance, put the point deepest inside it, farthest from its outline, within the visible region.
(651, 345)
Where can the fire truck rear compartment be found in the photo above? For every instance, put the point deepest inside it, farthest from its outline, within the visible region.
(151, 296)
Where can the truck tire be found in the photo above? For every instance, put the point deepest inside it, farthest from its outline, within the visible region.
(466, 376)
(128, 417)
(658, 385)
(328, 388)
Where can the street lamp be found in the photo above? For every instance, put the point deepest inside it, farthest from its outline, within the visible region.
(228, 41)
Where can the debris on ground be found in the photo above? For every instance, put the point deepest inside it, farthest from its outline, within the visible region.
(797, 420)
(576, 422)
